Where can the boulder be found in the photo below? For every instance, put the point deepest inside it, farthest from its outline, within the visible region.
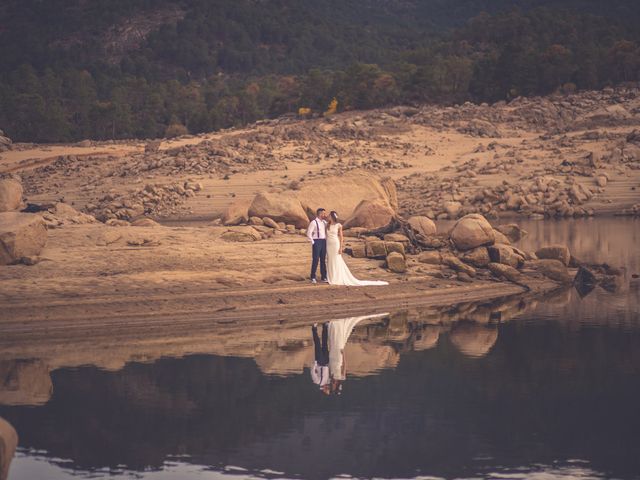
(507, 272)
(359, 250)
(554, 270)
(8, 445)
(345, 192)
(10, 195)
(601, 180)
(21, 235)
(452, 208)
(269, 222)
(396, 237)
(500, 237)
(458, 265)
(422, 225)
(430, 257)
(354, 232)
(512, 231)
(237, 212)
(281, 207)
(370, 215)
(390, 189)
(472, 231)
(478, 257)
(555, 252)
(396, 262)
(376, 249)
(241, 234)
(505, 254)
(256, 221)
(395, 247)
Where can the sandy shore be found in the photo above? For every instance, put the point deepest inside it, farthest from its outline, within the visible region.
(95, 280)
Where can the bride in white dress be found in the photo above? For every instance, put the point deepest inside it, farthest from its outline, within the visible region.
(337, 270)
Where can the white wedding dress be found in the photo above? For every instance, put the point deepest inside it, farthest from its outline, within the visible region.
(339, 333)
(337, 271)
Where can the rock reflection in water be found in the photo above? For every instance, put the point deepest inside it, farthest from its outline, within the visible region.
(451, 391)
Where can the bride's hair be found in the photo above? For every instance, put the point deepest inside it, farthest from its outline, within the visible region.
(333, 217)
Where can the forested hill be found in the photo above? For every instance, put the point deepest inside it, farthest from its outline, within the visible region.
(73, 69)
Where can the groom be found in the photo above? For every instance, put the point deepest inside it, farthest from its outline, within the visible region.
(317, 235)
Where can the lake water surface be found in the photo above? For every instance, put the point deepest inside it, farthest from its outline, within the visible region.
(519, 388)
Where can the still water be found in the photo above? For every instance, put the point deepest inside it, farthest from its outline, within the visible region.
(518, 388)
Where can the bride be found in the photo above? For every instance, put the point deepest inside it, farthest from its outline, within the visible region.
(338, 272)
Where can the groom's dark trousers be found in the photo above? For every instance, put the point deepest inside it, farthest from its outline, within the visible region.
(321, 350)
(319, 251)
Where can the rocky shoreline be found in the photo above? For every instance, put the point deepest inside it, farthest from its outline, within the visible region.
(81, 228)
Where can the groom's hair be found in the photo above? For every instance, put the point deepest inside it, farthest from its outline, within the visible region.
(319, 211)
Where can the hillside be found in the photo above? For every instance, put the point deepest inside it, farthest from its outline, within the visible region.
(124, 69)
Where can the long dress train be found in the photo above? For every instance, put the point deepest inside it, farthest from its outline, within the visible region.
(337, 270)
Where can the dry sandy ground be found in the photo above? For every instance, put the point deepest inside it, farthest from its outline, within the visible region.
(93, 281)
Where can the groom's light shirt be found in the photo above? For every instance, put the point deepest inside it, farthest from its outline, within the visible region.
(317, 230)
(320, 374)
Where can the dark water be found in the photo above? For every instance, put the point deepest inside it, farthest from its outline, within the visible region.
(520, 388)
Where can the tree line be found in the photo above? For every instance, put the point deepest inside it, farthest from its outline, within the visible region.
(218, 66)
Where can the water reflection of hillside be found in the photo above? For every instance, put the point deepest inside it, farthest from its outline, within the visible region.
(441, 390)
(375, 344)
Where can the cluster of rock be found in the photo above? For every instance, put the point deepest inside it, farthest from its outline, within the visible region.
(451, 198)
(5, 142)
(260, 229)
(22, 235)
(149, 200)
(474, 249)
(555, 113)
(363, 200)
(62, 214)
(246, 153)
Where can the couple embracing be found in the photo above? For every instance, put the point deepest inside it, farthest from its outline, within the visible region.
(327, 243)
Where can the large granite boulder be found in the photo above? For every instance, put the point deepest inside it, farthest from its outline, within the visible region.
(553, 269)
(281, 207)
(422, 225)
(21, 235)
(396, 262)
(512, 231)
(472, 231)
(242, 234)
(237, 212)
(506, 272)
(8, 445)
(345, 193)
(555, 252)
(10, 195)
(478, 257)
(370, 215)
(505, 254)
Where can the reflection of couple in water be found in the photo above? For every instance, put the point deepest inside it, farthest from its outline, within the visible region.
(330, 368)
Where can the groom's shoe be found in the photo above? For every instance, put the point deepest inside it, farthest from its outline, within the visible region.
(314, 281)
(325, 280)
